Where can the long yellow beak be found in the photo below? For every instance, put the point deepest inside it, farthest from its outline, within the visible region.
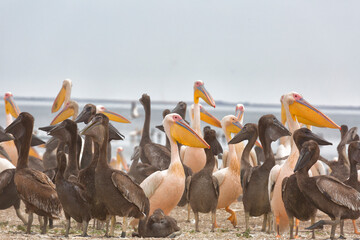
(208, 117)
(309, 115)
(67, 112)
(59, 100)
(10, 106)
(185, 135)
(235, 127)
(201, 92)
(113, 116)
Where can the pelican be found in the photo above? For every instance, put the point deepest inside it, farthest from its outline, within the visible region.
(239, 147)
(195, 158)
(12, 110)
(229, 177)
(171, 182)
(115, 162)
(297, 110)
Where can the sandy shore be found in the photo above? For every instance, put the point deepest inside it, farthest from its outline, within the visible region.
(12, 228)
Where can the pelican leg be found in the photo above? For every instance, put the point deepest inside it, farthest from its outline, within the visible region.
(107, 226)
(18, 213)
(342, 235)
(68, 224)
(263, 228)
(112, 227)
(232, 217)
(291, 226)
(355, 228)
(124, 227)
(333, 227)
(270, 222)
(247, 216)
(188, 208)
(41, 222)
(30, 220)
(85, 227)
(297, 228)
(312, 223)
(278, 227)
(196, 221)
(44, 228)
(213, 220)
(51, 223)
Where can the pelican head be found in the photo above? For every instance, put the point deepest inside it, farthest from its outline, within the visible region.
(86, 114)
(96, 128)
(71, 109)
(181, 132)
(63, 96)
(305, 113)
(230, 124)
(10, 106)
(201, 92)
(239, 111)
(111, 115)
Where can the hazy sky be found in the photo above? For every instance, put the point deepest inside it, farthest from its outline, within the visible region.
(243, 50)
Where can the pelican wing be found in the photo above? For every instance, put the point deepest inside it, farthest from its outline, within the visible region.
(247, 176)
(151, 183)
(216, 186)
(131, 191)
(5, 178)
(220, 175)
(158, 155)
(79, 188)
(273, 176)
(338, 192)
(37, 189)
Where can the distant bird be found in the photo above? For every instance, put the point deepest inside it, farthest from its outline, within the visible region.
(134, 110)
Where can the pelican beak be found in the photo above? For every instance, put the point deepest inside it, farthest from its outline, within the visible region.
(114, 116)
(257, 143)
(208, 118)
(308, 114)
(4, 137)
(185, 135)
(235, 127)
(59, 100)
(67, 112)
(201, 92)
(10, 106)
(89, 126)
(304, 158)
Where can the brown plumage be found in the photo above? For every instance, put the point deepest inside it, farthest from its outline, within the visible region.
(202, 187)
(340, 169)
(157, 225)
(328, 194)
(255, 179)
(66, 132)
(34, 187)
(115, 189)
(296, 204)
(85, 116)
(73, 197)
(152, 153)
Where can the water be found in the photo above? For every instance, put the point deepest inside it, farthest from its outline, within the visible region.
(41, 110)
